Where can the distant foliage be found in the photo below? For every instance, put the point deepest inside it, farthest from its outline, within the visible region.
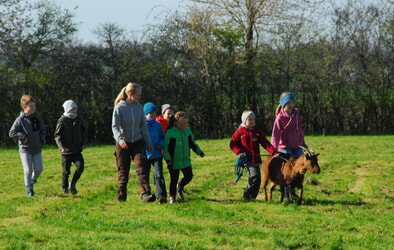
(211, 64)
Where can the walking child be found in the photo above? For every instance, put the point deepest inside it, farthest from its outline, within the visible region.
(29, 130)
(167, 111)
(71, 140)
(155, 158)
(287, 135)
(179, 140)
(245, 142)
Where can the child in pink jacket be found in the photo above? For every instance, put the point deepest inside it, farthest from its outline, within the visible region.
(287, 135)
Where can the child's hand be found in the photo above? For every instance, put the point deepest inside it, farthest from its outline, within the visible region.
(63, 150)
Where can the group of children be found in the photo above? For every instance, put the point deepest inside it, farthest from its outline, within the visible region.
(29, 130)
(146, 138)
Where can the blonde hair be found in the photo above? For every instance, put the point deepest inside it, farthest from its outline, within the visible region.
(279, 107)
(180, 115)
(25, 100)
(124, 93)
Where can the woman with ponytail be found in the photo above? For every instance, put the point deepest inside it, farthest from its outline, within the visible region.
(130, 133)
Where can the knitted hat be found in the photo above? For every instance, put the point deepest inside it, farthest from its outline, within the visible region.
(288, 97)
(245, 116)
(164, 107)
(149, 108)
(69, 105)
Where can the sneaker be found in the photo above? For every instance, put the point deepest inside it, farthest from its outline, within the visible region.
(179, 192)
(30, 191)
(148, 198)
(172, 199)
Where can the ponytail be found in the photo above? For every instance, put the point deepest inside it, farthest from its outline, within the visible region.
(178, 116)
(121, 96)
(277, 110)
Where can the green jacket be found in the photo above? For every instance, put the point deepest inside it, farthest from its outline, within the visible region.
(177, 147)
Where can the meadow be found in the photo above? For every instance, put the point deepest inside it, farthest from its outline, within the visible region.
(349, 205)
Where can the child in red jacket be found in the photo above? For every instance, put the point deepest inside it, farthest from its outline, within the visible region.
(245, 142)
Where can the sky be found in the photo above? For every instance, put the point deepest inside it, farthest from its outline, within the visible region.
(130, 15)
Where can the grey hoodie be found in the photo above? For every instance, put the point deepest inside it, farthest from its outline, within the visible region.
(128, 123)
(32, 128)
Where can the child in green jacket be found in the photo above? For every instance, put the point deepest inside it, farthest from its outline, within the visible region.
(179, 140)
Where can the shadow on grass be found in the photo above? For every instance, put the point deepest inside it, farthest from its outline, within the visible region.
(312, 202)
(306, 202)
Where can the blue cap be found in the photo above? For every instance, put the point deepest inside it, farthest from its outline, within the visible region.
(149, 108)
(288, 97)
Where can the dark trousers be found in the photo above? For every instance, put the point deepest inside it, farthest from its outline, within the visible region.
(123, 161)
(67, 160)
(158, 177)
(174, 175)
(254, 181)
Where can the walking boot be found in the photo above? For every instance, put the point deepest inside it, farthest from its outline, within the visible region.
(73, 189)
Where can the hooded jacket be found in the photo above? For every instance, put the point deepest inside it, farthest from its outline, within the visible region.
(157, 138)
(128, 123)
(177, 147)
(69, 134)
(29, 127)
(248, 140)
(287, 132)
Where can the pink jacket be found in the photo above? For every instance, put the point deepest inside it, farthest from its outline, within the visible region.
(287, 132)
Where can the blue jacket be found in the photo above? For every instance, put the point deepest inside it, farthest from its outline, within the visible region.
(157, 138)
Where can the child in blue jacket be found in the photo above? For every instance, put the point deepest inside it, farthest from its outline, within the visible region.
(155, 158)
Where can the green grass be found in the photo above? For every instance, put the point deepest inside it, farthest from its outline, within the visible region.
(350, 208)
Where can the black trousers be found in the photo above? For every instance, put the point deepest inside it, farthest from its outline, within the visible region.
(174, 175)
(67, 160)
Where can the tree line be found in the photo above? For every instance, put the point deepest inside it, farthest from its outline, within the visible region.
(213, 61)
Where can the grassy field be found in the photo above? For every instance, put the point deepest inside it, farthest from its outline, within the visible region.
(350, 207)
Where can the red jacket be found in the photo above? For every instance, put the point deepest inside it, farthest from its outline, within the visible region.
(248, 140)
(162, 122)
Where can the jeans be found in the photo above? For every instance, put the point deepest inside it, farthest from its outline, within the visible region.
(32, 167)
(158, 177)
(67, 160)
(293, 152)
(123, 161)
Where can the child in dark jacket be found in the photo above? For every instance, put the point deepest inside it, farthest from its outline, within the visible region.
(179, 140)
(155, 158)
(245, 142)
(30, 131)
(71, 140)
